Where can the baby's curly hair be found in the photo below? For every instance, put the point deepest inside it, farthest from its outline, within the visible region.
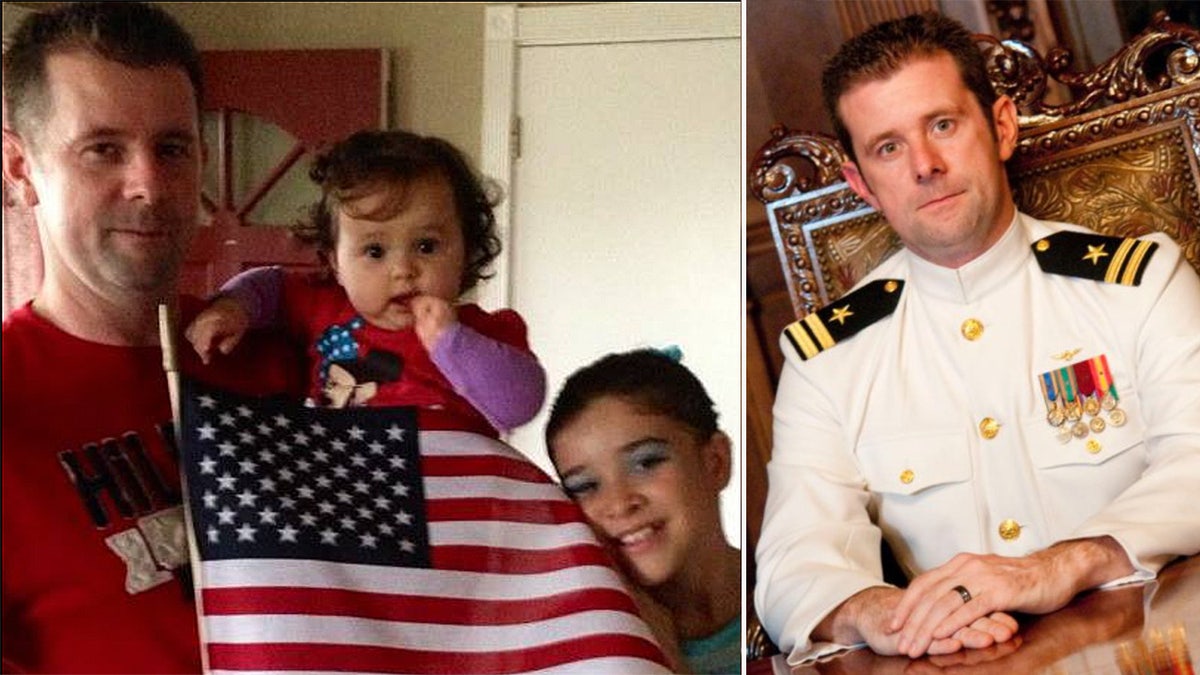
(369, 160)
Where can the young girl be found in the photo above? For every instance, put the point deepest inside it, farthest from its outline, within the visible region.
(634, 438)
(406, 228)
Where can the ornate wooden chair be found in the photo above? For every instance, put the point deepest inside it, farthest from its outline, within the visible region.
(1121, 157)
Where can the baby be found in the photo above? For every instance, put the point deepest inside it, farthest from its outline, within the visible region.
(634, 438)
(404, 228)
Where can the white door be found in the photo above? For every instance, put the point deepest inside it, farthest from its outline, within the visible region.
(624, 213)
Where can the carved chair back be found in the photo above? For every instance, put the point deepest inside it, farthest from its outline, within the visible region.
(1120, 158)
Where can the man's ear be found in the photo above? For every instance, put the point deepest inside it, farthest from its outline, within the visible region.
(859, 184)
(717, 458)
(1004, 115)
(16, 168)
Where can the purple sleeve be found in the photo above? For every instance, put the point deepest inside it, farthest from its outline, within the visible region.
(503, 382)
(257, 290)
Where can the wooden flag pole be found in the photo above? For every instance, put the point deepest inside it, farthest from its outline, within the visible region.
(166, 338)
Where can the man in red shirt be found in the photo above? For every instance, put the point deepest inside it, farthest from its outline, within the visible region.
(105, 147)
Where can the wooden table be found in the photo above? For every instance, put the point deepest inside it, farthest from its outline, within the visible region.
(1120, 631)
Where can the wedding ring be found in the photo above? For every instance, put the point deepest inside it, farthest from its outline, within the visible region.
(963, 593)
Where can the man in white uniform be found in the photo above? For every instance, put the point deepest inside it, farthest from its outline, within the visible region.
(1013, 404)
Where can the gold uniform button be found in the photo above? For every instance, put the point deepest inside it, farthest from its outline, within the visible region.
(1043, 245)
(1093, 446)
(972, 329)
(988, 428)
(1009, 529)
(907, 476)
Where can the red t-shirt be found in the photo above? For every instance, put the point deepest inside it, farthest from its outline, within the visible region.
(92, 527)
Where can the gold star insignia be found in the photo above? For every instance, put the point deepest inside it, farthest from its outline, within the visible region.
(1095, 253)
(840, 314)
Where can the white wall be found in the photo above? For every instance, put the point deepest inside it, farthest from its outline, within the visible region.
(626, 197)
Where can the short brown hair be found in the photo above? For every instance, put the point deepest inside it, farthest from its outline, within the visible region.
(884, 48)
(369, 158)
(130, 33)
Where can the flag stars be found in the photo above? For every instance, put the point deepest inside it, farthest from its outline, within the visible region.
(246, 438)
(246, 533)
(287, 474)
(386, 529)
(403, 518)
(305, 492)
(300, 438)
(227, 449)
(207, 401)
(304, 465)
(288, 503)
(214, 535)
(382, 503)
(264, 429)
(266, 484)
(368, 540)
(246, 498)
(243, 411)
(226, 481)
(207, 432)
(266, 456)
(227, 419)
(324, 482)
(282, 421)
(347, 522)
(397, 462)
(379, 476)
(247, 466)
(407, 546)
(362, 487)
(210, 500)
(207, 465)
(225, 516)
(267, 516)
(376, 447)
(288, 533)
(317, 429)
(400, 490)
(358, 460)
(341, 471)
(328, 536)
(308, 519)
(365, 513)
(326, 507)
(321, 456)
(338, 445)
(343, 497)
(356, 433)
(395, 433)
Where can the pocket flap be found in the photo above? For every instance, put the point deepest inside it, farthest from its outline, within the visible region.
(911, 464)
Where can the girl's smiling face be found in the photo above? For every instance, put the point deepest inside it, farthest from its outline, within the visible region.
(645, 482)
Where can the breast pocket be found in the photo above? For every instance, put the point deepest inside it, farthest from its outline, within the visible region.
(1083, 475)
(922, 487)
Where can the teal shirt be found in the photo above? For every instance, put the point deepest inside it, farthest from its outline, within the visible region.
(718, 653)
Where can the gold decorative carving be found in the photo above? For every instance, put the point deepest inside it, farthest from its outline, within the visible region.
(1017, 70)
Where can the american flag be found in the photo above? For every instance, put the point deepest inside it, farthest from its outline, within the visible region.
(346, 540)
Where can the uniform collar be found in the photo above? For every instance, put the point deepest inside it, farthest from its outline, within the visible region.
(977, 278)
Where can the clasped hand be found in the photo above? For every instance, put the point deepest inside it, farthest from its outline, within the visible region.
(932, 612)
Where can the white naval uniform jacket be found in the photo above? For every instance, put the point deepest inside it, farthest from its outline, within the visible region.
(903, 400)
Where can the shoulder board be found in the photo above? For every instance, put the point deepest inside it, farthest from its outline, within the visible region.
(839, 320)
(1114, 260)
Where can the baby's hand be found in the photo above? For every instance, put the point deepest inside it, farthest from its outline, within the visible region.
(222, 323)
(431, 317)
